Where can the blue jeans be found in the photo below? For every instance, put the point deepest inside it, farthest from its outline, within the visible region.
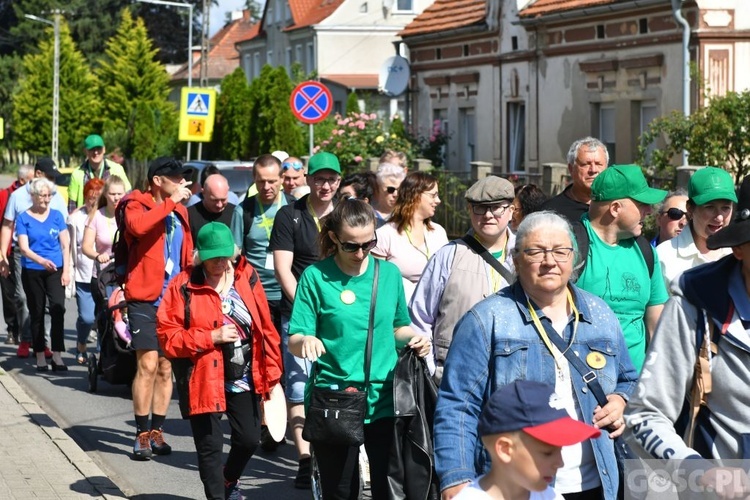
(85, 303)
(296, 370)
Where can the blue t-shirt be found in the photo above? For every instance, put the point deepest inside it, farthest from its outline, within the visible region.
(44, 237)
(172, 251)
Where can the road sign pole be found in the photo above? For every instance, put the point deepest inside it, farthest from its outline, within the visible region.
(311, 139)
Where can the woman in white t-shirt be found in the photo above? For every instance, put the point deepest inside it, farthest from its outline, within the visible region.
(99, 235)
(410, 237)
(82, 265)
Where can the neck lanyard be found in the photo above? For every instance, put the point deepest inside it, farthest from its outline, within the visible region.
(268, 221)
(313, 214)
(426, 251)
(543, 332)
(171, 229)
(495, 279)
(98, 174)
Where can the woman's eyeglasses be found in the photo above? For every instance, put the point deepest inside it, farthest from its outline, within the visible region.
(296, 165)
(353, 247)
(674, 213)
(391, 189)
(560, 254)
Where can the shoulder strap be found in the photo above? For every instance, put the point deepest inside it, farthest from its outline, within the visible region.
(248, 214)
(648, 253)
(489, 259)
(370, 326)
(582, 238)
(186, 296)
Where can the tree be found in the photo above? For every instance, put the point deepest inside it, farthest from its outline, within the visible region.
(32, 110)
(352, 103)
(716, 135)
(233, 117)
(130, 77)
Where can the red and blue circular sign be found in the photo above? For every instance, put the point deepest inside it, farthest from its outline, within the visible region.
(311, 102)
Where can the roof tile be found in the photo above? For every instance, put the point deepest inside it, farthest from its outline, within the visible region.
(446, 15)
(309, 12)
(544, 7)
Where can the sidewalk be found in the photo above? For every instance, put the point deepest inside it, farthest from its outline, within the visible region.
(37, 459)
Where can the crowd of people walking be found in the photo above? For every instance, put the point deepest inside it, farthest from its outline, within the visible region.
(522, 359)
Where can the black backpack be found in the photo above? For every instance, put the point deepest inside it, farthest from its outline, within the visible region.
(120, 244)
(582, 236)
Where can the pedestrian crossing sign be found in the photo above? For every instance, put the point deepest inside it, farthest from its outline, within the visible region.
(197, 110)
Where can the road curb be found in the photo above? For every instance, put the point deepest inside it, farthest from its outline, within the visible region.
(75, 455)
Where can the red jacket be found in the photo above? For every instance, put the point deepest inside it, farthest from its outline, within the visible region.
(207, 379)
(4, 198)
(144, 233)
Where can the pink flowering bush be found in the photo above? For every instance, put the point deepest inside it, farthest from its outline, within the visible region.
(432, 146)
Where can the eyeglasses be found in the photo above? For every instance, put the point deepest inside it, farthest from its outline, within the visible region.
(322, 181)
(296, 165)
(353, 247)
(391, 189)
(434, 195)
(560, 254)
(674, 213)
(495, 210)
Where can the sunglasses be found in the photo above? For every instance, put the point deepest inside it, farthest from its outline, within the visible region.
(296, 165)
(391, 189)
(353, 247)
(674, 213)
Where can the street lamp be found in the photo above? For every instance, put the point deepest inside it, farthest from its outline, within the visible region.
(56, 84)
(190, 40)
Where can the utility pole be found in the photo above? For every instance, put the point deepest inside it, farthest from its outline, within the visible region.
(204, 56)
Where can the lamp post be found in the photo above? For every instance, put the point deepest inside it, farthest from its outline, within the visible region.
(56, 79)
(190, 40)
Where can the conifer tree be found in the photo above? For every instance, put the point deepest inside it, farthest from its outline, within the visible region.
(352, 103)
(273, 126)
(233, 109)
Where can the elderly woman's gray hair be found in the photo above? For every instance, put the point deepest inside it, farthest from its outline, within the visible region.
(40, 184)
(546, 220)
(197, 260)
(389, 171)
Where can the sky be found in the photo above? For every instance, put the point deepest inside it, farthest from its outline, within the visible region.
(218, 13)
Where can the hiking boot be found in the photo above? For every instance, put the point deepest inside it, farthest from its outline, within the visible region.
(267, 442)
(302, 481)
(232, 491)
(11, 339)
(158, 445)
(142, 447)
(24, 349)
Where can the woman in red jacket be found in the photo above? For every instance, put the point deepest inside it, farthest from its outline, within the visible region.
(216, 314)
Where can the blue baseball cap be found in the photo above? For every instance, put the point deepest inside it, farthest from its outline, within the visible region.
(534, 408)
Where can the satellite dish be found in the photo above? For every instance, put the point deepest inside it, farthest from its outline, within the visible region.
(394, 76)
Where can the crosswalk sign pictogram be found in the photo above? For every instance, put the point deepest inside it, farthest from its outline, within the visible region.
(197, 109)
(311, 102)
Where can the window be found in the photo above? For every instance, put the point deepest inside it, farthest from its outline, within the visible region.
(269, 15)
(310, 58)
(246, 66)
(643, 26)
(288, 60)
(256, 64)
(516, 136)
(278, 15)
(404, 6)
(648, 114)
(467, 133)
(269, 57)
(298, 54)
(600, 31)
(607, 128)
(514, 43)
(287, 13)
(440, 123)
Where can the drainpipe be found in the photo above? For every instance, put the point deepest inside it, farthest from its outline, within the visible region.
(677, 12)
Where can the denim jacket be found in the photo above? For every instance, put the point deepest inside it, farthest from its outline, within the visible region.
(496, 343)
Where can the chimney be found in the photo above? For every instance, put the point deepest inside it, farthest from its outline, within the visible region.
(236, 15)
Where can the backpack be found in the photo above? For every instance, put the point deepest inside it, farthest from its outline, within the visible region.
(248, 212)
(120, 244)
(582, 236)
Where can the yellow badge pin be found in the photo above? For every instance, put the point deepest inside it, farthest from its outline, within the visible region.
(596, 360)
(348, 297)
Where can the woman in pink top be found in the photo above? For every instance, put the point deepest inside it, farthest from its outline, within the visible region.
(99, 234)
(410, 238)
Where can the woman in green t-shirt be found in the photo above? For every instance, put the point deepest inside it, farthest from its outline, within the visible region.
(329, 325)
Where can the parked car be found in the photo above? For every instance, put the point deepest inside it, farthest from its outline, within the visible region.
(239, 174)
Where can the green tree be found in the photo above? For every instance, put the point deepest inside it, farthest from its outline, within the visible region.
(273, 126)
(130, 77)
(233, 117)
(352, 103)
(32, 109)
(716, 134)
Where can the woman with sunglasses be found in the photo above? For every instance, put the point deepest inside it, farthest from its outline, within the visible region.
(389, 177)
(711, 194)
(329, 326)
(410, 237)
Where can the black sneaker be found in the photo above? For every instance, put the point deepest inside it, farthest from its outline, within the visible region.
(302, 481)
(158, 445)
(267, 442)
(142, 447)
(232, 491)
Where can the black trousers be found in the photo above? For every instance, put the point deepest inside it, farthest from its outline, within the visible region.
(8, 288)
(339, 465)
(42, 287)
(243, 413)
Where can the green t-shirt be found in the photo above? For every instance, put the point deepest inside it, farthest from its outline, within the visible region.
(319, 310)
(619, 275)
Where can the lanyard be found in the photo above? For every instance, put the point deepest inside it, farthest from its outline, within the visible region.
(495, 278)
(267, 222)
(543, 332)
(312, 214)
(171, 229)
(98, 174)
(426, 251)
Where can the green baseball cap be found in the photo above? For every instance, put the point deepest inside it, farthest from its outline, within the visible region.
(215, 240)
(323, 161)
(709, 184)
(93, 141)
(624, 181)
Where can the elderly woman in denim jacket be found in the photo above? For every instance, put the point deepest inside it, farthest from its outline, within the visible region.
(503, 339)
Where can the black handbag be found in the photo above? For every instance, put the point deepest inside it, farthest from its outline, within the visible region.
(337, 417)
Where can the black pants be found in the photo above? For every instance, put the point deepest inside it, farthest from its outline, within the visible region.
(41, 287)
(339, 465)
(8, 287)
(243, 412)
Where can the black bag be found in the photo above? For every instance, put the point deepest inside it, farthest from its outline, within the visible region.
(338, 416)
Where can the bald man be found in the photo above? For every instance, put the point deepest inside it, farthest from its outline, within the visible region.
(214, 206)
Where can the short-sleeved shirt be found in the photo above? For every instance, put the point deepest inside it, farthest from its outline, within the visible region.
(256, 244)
(83, 265)
(173, 238)
(20, 201)
(475, 492)
(566, 206)
(323, 307)
(44, 237)
(397, 248)
(619, 275)
(295, 230)
(105, 229)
